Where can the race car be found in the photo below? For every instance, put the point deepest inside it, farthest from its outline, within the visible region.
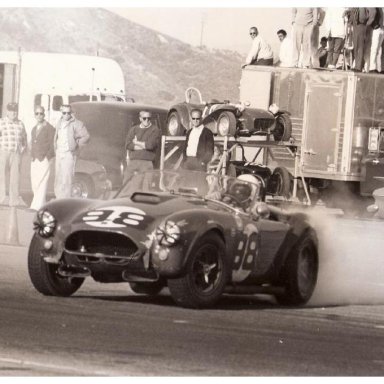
(201, 235)
(225, 118)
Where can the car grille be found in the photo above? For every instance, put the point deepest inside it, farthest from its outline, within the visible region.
(98, 247)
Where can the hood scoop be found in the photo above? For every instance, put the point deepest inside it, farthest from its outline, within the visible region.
(149, 198)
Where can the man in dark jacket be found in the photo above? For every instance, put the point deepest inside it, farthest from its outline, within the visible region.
(142, 144)
(199, 144)
(42, 152)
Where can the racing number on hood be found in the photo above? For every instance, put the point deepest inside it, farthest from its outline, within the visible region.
(115, 217)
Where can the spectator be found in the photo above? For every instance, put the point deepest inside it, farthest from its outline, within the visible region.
(42, 151)
(286, 47)
(335, 27)
(70, 135)
(322, 52)
(303, 20)
(13, 141)
(261, 52)
(199, 144)
(315, 38)
(142, 144)
(374, 65)
(361, 20)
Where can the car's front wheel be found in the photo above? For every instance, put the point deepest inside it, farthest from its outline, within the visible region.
(174, 125)
(226, 124)
(299, 275)
(205, 277)
(44, 276)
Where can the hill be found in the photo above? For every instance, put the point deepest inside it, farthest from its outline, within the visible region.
(157, 67)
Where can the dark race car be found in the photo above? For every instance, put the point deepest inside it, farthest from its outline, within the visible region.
(226, 118)
(200, 234)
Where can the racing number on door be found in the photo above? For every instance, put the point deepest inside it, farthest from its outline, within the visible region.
(246, 253)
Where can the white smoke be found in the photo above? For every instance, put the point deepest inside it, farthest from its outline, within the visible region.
(351, 253)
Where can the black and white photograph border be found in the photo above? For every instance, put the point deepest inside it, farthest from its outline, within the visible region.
(107, 330)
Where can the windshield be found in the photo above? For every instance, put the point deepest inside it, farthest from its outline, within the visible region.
(241, 191)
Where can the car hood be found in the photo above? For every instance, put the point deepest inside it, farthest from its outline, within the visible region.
(137, 216)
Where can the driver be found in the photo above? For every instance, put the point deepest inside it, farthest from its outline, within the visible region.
(243, 192)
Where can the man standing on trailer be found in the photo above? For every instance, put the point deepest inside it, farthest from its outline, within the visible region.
(304, 22)
(70, 135)
(13, 141)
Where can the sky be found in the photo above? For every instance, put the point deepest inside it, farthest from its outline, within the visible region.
(213, 27)
(222, 24)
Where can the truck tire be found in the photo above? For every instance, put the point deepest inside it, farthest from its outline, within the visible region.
(82, 187)
(205, 277)
(44, 276)
(299, 274)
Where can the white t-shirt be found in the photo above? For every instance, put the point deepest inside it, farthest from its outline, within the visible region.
(193, 140)
(285, 53)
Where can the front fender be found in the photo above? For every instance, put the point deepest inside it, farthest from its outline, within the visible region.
(178, 255)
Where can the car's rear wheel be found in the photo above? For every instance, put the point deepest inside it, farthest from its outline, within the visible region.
(149, 289)
(299, 274)
(206, 274)
(174, 125)
(226, 124)
(44, 276)
(283, 127)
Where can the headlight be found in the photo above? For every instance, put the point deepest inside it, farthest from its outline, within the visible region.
(168, 234)
(45, 223)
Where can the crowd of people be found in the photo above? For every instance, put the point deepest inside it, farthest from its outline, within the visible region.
(354, 40)
(47, 143)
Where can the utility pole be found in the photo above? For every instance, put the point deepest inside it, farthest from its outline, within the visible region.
(202, 30)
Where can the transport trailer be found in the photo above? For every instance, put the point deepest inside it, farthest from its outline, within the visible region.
(337, 125)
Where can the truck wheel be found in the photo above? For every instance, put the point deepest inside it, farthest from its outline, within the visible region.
(283, 127)
(174, 126)
(82, 187)
(281, 182)
(226, 124)
(44, 276)
(149, 289)
(205, 277)
(299, 274)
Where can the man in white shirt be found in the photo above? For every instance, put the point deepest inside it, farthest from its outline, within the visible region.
(199, 144)
(261, 52)
(286, 47)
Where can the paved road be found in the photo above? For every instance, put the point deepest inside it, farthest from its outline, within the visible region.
(106, 330)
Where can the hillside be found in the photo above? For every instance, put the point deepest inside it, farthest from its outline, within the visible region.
(157, 67)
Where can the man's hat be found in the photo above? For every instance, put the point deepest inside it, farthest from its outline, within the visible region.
(12, 107)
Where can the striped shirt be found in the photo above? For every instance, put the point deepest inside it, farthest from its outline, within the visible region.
(12, 135)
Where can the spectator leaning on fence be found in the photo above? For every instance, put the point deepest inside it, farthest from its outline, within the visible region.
(13, 141)
(142, 143)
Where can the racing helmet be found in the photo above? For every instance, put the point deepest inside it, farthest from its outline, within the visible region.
(254, 184)
(244, 189)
